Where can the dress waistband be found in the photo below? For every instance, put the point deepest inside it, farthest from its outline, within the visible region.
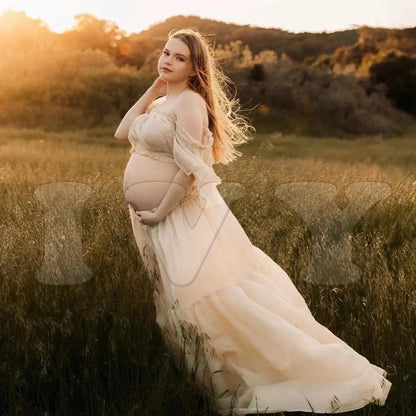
(160, 156)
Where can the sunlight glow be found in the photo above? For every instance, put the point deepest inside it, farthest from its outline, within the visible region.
(290, 15)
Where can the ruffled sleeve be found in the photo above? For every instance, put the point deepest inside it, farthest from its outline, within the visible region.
(195, 157)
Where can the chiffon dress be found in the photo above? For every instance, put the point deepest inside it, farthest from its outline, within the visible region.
(227, 309)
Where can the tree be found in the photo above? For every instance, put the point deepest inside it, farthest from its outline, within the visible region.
(398, 74)
(19, 32)
(257, 72)
(90, 32)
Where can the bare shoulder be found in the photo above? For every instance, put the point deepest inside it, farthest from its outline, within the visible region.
(191, 98)
(191, 101)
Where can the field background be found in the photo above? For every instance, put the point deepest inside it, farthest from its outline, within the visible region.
(94, 348)
(337, 108)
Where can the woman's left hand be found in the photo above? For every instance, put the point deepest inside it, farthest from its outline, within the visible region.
(147, 217)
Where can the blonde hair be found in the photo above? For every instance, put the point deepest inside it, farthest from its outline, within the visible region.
(228, 127)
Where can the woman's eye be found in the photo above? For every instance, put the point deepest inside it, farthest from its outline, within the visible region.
(179, 57)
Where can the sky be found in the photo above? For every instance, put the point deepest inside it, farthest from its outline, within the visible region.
(291, 15)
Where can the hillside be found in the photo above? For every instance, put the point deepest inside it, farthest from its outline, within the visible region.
(347, 83)
(297, 46)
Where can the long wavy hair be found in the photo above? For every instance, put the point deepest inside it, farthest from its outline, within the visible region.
(228, 126)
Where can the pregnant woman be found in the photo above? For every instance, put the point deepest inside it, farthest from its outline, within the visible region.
(223, 305)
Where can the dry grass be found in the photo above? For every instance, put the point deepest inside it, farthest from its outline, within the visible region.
(94, 348)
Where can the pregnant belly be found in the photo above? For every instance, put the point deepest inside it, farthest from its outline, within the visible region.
(146, 181)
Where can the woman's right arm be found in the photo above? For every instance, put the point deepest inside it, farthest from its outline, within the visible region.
(156, 90)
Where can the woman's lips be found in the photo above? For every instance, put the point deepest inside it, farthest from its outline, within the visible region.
(165, 69)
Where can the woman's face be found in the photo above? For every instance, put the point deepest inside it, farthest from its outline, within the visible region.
(176, 58)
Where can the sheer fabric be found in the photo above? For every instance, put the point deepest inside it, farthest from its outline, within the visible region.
(228, 308)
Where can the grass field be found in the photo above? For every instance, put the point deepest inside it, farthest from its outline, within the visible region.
(94, 348)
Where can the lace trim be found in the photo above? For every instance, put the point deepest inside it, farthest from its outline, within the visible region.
(166, 114)
(205, 130)
(194, 142)
(161, 156)
(138, 118)
(172, 118)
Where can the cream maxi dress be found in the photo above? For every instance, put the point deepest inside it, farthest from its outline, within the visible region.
(228, 308)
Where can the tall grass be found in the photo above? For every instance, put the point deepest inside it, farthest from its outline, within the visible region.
(95, 349)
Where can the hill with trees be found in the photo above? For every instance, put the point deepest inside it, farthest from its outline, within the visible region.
(347, 83)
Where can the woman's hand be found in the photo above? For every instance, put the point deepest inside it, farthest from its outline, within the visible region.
(149, 217)
(159, 87)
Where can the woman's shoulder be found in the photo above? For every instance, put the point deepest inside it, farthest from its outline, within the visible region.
(190, 99)
(186, 100)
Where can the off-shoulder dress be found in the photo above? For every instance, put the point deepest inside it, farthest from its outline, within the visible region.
(224, 304)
